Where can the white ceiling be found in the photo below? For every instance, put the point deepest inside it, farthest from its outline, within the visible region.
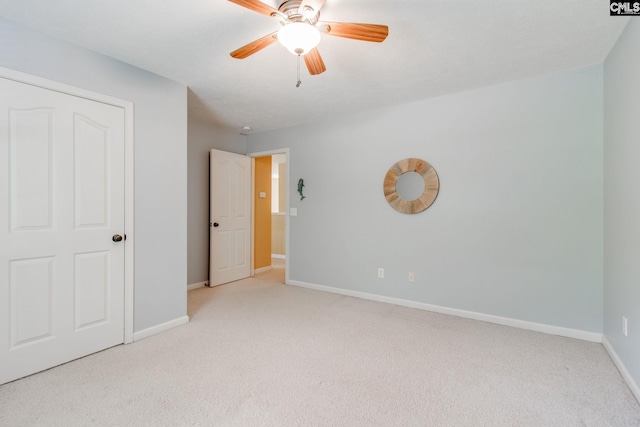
(434, 47)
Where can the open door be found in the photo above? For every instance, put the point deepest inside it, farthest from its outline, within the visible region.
(230, 217)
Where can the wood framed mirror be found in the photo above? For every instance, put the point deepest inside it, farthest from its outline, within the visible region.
(411, 185)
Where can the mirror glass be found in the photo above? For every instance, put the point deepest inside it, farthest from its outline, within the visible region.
(410, 186)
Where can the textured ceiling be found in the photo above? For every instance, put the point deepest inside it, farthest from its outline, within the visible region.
(434, 47)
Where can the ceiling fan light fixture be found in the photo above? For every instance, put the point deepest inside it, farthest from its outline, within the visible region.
(299, 37)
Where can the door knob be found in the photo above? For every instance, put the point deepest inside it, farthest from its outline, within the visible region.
(117, 238)
(215, 224)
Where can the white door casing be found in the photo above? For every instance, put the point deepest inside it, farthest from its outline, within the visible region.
(230, 217)
(62, 194)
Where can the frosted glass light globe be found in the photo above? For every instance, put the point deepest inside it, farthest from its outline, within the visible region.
(299, 38)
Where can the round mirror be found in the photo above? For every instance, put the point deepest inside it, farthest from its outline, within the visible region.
(411, 185)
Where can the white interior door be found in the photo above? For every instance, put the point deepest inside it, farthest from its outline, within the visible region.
(61, 207)
(230, 217)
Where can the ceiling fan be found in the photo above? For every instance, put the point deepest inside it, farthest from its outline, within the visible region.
(301, 28)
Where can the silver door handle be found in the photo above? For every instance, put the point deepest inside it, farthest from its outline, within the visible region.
(117, 238)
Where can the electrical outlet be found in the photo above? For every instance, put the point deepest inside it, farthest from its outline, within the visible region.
(624, 326)
(412, 278)
(381, 273)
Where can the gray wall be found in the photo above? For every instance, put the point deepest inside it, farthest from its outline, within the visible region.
(203, 137)
(160, 158)
(517, 229)
(622, 204)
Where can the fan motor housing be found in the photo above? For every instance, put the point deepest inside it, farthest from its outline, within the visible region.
(291, 10)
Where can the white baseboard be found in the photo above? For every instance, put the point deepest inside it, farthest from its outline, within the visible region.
(522, 324)
(145, 333)
(623, 369)
(197, 285)
(278, 256)
(262, 269)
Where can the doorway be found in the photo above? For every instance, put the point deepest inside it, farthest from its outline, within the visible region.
(271, 205)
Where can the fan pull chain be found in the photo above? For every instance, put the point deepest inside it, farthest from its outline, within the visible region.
(299, 81)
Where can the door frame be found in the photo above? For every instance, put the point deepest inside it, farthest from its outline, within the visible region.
(253, 155)
(128, 108)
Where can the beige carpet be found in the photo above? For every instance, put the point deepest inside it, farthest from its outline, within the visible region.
(259, 353)
(276, 274)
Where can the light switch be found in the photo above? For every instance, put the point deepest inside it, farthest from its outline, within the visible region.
(293, 211)
(263, 195)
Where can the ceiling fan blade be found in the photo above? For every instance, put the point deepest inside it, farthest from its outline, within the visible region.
(314, 5)
(364, 32)
(255, 46)
(256, 6)
(314, 62)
